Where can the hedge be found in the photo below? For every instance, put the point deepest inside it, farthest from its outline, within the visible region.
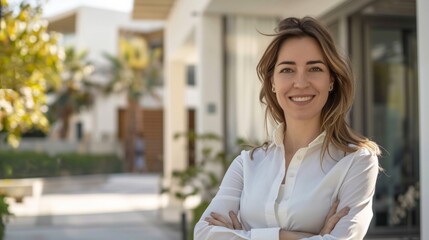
(22, 164)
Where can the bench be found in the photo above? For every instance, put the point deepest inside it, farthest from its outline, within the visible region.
(20, 188)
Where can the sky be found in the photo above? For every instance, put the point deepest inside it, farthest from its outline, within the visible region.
(54, 7)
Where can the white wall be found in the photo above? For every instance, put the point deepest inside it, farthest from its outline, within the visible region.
(98, 30)
(179, 47)
(210, 74)
(246, 115)
(174, 119)
(423, 61)
(150, 102)
(105, 117)
(180, 24)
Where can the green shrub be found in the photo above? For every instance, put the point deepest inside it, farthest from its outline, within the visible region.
(14, 164)
(4, 214)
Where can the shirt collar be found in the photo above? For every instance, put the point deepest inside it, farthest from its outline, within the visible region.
(278, 136)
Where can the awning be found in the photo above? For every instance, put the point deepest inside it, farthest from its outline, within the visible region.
(151, 9)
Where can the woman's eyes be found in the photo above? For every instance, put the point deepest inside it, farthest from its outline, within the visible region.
(316, 69)
(312, 69)
(286, 70)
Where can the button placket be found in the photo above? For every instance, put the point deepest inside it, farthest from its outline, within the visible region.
(292, 171)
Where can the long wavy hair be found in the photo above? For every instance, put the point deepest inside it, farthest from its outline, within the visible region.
(340, 100)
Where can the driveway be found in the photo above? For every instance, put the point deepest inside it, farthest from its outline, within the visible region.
(117, 206)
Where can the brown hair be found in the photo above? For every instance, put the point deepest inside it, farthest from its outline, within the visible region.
(333, 116)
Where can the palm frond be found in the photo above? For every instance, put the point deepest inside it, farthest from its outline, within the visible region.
(114, 61)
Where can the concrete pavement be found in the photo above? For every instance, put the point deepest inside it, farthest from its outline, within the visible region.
(118, 206)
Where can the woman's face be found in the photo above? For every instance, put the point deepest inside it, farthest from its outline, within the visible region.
(301, 79)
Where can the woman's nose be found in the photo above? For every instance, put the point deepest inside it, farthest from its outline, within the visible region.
(301, 80)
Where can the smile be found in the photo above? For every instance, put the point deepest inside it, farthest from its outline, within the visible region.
(301, 99)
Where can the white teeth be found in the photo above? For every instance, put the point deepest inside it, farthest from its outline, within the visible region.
(301, 99)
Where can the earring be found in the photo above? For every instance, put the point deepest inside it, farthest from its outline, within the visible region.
(331, 87)
(273, 89)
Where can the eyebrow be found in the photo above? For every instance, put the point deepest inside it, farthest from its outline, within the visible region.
(308, 63)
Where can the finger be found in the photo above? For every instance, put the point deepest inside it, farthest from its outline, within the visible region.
(333, 209)
(333, 220)
(337, 217)
(343, 212)
(215, 222)
(235, 222)
(329, 226)
(220, 218)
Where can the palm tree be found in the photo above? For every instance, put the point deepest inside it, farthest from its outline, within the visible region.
(136, 71)
(76, 92)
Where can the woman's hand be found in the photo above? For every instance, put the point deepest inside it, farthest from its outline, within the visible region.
(330, 221)
(216, 219)
(333, 217)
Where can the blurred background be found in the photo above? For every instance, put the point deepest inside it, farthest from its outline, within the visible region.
(118, 119)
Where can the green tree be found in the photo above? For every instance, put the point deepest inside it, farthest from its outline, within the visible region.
(30, 63)
(136, 71)
(76, 91)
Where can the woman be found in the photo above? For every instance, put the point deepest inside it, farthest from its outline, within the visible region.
(315, 165)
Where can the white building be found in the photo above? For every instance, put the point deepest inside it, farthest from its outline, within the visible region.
(97, 31)
(382, 37)
(100, 128)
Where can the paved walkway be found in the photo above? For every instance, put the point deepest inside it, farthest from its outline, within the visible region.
(120, 206)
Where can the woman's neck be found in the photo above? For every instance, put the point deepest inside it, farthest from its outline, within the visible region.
(299, 135)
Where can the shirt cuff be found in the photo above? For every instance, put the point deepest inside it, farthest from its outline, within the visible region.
(265, 233)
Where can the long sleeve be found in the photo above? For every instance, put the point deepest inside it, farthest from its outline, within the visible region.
(251, 189)
(356, 192)
(228, 199)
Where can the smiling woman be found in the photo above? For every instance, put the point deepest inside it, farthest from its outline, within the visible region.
(301, 80)
(314, 156)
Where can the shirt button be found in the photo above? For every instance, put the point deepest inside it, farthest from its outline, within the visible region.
(291, 174)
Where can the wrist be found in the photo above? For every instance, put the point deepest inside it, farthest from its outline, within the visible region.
(289, 235)
(282, 234)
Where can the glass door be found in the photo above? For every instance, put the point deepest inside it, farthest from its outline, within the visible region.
(391, 119)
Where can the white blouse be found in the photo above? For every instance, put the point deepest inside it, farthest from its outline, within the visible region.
(251, 188)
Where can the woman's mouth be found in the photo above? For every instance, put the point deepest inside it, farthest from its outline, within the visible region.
(301, 98)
